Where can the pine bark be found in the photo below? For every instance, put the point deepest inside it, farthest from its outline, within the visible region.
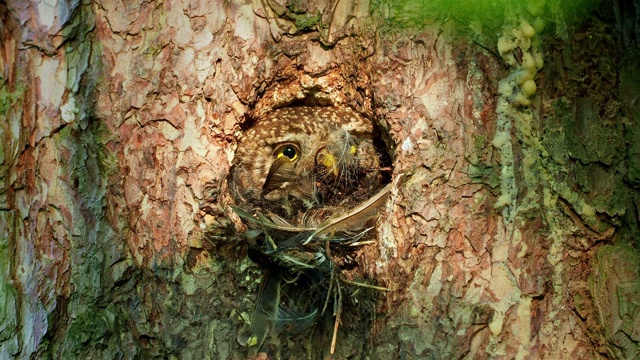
(512, 231)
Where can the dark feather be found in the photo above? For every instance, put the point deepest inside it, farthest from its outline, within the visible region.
(275, 312)
(268, 299)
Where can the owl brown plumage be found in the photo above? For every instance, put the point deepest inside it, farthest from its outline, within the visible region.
(313, 155)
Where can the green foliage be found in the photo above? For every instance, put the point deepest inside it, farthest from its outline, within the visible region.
(482, 13)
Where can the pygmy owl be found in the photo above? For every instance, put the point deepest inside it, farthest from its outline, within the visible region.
(307, 183)
(315, 156)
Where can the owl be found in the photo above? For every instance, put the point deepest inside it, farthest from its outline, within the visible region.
(306, 156)
(307, 183)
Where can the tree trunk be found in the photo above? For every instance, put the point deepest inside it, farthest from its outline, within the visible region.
(512, 229)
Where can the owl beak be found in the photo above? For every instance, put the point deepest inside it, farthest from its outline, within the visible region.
(281, 172)
(329, 161)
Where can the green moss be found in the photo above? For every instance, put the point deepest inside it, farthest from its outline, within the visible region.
(481, 143)
(629, 90)
(89, 165)
(8, 221)
(90, 324)
(2, 159)
(553, 137)
(299, 13)
(8, 295)
(484, 174)
(587, 165)
(10, 98)
(604, 187)
(307, 22)
(615, 289)
(592, 138)
(633, 156)
(304, 20)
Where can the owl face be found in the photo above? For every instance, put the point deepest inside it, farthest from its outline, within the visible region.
(303, 152)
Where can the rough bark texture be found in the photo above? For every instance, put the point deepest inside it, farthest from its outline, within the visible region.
(513, 226)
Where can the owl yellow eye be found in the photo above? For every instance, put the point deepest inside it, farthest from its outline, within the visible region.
(288, 151)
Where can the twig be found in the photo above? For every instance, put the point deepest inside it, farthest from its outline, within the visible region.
(335, 334)
(337, 322)
(366, 242)
(379, 288)
(326, 301)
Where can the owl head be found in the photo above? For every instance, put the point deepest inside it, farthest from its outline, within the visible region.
(313, 155)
